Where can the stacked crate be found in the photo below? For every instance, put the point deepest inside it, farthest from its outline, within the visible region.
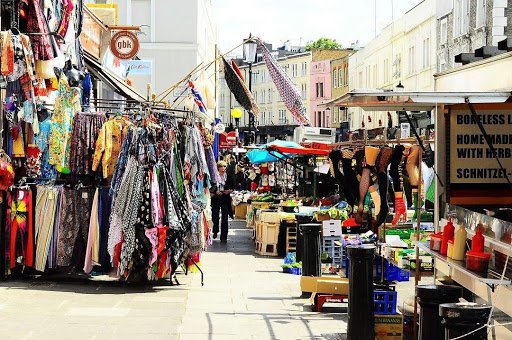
(267, 233)
(332, 241)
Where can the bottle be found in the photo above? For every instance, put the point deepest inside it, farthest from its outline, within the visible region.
(459, 244)
(477, 242)
(448, 232)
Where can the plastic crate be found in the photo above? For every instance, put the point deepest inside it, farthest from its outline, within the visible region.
(385, 301)
(391, 272)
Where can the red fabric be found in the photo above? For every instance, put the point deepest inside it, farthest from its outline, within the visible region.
(299, 151)
(237, 70)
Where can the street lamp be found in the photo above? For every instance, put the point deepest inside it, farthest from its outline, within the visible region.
(250, 47)
(236, 113)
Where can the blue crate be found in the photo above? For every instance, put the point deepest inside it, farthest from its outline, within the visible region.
(391, 272)
(385, 302)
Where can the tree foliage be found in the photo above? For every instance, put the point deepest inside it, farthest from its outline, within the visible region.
(323, 43)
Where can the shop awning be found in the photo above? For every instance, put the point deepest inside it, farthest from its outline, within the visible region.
(114, 81)
(281, 150)
(378, 100)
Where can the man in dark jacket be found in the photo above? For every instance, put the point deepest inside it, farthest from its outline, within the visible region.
(221, 202)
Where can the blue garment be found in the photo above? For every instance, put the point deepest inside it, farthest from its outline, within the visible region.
(43, 140)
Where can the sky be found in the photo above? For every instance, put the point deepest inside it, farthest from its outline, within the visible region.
(300, 21)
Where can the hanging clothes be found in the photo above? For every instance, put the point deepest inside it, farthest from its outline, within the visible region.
(46, 208)
(86, 129)
(66, 106)
(109, 144)
(42, 139)
(20, 228)
(36, 23)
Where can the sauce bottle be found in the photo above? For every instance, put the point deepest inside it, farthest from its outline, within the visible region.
(448, 233)
(477, 242)
(459, 244)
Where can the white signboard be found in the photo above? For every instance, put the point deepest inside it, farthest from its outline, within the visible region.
(471, 159)
(405, 130)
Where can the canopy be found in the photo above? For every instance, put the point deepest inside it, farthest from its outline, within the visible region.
(280, 150)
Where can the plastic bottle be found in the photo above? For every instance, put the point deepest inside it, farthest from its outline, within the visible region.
(448, 233)
(477, 242)
(459, 244)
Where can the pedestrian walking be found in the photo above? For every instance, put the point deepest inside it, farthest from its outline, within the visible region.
(221, 202)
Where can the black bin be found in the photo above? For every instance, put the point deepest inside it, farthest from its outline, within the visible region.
(311, 249)
(429, 298)
(463, 318)
(361, 318)
(301, 219)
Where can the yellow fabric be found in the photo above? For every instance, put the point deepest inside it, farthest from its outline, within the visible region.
(18, 145)
(108, 145)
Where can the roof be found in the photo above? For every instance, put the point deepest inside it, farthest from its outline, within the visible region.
(378, 100)
(114, 81)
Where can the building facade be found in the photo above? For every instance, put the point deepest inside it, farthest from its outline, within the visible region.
(175, 37)
(274, 120)
(403, 53)
(321, 81)
(465, 26)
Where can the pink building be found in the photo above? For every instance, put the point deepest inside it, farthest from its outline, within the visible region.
(320, 87)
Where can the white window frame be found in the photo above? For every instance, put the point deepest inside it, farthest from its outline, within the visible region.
(444, 31)
(412, 59)
(335, 78)
(481, 13)
(426, 53)
(461, 12)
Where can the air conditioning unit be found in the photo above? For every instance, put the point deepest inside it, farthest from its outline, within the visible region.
(303, 134)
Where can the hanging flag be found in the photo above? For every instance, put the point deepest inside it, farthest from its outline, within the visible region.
(239, 89)
(197, 97)
(289, 93)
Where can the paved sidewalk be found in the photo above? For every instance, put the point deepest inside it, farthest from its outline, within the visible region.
(244, 297)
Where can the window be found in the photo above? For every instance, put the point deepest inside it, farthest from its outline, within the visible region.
(282, 117)
(444, 31)
(368, 77)
(375, 74)
(335, 115)
(412, 60)
(294, 70)
(346, 74)
(386, 70)
(341, 81)
(426, 53)
(481, 9)
(304, 89)
(304, 69)
(255, 95)
(360, 79)
(263, 97)
(460, 17)
(335, 78)
(319, 90)
(397, 66)
(269, 96)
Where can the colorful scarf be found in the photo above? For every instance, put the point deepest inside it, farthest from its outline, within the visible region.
(288, 91)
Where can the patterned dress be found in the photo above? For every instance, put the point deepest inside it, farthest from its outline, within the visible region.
(66, 106)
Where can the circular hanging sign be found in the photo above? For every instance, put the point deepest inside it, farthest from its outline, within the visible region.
(219, 128)
(124, 45)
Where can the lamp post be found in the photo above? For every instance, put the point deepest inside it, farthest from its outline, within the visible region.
(236, 113)
(250, 47)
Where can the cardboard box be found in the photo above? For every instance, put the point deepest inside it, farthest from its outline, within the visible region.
(308, 283)
(331, 228)
(325, 285)
(241, 211)
(389, 327)
(335, 285)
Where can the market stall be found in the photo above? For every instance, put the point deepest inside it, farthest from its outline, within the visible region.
(93, 186)
(472, 185)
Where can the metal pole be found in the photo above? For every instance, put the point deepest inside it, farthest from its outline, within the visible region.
(418, 225)
(251, 114)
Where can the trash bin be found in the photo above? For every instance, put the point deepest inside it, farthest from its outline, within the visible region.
(465, 317)
(301, 219)
(361, 318)
(311, 249)
(429, 298)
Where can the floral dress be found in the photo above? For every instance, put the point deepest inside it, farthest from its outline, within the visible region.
(42, 140)
(66, 106)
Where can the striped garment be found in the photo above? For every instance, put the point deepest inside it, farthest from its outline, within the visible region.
(287, 90)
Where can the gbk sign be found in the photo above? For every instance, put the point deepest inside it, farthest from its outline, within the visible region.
(124, 45)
